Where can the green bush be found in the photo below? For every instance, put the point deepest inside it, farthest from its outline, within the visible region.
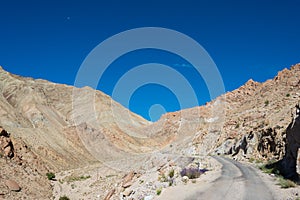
(267, 102)
(50, 175)
(158, 191)
(171, 173)
(64, 198)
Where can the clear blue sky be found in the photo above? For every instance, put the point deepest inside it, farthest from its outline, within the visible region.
(246, 39)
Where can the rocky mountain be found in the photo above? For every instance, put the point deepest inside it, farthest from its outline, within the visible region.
(53, 127)
(249, 122)
(44, 129)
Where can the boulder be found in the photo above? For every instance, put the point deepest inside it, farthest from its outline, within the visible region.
(12, 185)
(127, 192)
(185, 179)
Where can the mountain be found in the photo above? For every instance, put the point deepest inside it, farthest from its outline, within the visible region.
(249, 122)
(54, 127)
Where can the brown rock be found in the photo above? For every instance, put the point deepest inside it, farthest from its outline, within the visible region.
(3, 132)
(127, 184)
(12, 185)
(127, 192)
(110, 194)
(127, 180)
(8, 151)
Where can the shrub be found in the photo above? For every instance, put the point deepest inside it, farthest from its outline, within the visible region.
(64, 198)
(171, 173)
(192, 173)
(267, 102)
(163, 178)
(158, 191)
(287, 95)
(50, 175)
(269, 169)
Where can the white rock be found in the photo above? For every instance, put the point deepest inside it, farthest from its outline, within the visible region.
(149, 197)
(185, 179)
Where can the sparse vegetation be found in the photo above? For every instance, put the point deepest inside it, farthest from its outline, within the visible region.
(111, 175)
(169, 178)
(257, 161)
(237, 126)
(50, 175)
(77, 178)
(171, 173)
(64, 198)
(269, 170)
(287, 95)
(285, 183)
(267, 102)
(163, 178)
(158, 191)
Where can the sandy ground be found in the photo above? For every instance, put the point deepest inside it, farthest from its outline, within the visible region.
(94, 182)
(183, 191)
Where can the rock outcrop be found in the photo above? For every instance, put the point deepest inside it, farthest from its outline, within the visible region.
(257, 116)
(287, 165)
(6, 146)
(22, 172)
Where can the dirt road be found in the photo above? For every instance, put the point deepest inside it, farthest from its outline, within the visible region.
(237, 181)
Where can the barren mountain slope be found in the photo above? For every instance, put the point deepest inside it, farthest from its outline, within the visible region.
(59, 129)
(253, 117)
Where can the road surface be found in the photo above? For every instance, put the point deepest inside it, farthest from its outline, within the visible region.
(237, 181)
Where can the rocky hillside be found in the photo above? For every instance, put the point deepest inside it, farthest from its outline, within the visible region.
(53, 127)
(258, 114)
(50, 127)
(56, 122)
(249, 122)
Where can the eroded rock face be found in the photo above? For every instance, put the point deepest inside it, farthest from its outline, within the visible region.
(287, 165)
(259, 143)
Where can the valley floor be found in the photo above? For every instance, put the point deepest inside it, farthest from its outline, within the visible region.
(226, 179)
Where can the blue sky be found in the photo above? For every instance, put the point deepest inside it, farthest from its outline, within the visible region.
(246, 39)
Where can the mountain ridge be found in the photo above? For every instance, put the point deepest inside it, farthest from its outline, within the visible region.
(58, 133)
